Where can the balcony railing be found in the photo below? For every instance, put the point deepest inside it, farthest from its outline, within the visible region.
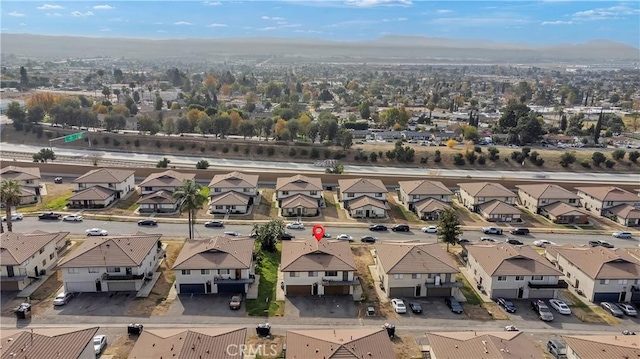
(443, 285)
(14, 278)
(222, 280)
(107, 276)
(560, 285)
(327, 282)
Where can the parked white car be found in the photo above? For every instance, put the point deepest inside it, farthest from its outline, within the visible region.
(345, 237)
(398, 306)
(543, 243)
(560, 306)
(295, 225)
(628, 309)
(430, 229)
(62, 298)
(14, 217)
(72, 218)
(96, 232)
(99, 343)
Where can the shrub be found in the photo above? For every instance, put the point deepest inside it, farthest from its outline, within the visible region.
(235, 148)
(339, 155)
(493, 153)
(225, 149)
(526, 151)
(598, 158)
(391, 154)
(609, 163)
(292, 152)
(567, 158)
(163, 163)
(451, 143)
(127, 142)
(202, 164)
(482, 160)
(477, 149)
(424, 160)
(518, 156)
(259, 150)
(373, 157)
(585, 163)
(539, 161)
(270, 150)
(458, 159)
(380, 154)
(181, 147)
(106, 139)
(304, 152)
(213, 148)
(314, 153)
(136, 143)
(327, 153)
(116, 143)
(202, 149)
(471, 157)
(617, 155)
(633, 156)
(246, 150)
(438, 157)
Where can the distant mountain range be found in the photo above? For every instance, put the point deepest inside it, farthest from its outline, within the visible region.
(387, 49)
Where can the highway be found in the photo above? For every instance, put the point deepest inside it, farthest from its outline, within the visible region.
(29, 224)
(269, 166)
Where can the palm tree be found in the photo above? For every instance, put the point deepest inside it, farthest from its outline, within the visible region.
(192, 199)
(10, 191)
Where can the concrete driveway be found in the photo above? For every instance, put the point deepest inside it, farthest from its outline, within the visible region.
(323, 307)
(432, 308)
(214, 305)
(95, 304)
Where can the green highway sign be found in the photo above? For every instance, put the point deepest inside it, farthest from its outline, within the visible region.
(72, 137)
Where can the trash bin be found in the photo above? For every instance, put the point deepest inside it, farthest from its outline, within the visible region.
(263, 330)
(391, 329)
(134, 329)
(23, 311)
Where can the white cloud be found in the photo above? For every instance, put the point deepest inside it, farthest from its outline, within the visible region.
(81, 14)
(444, 11)
(16, 14)
(182, 23)
(157, 23)
(276, 18)
(105, 29)
(268, 28)
(395, 20)
(352, 23)
(23, 24)
(559, 22)
(161, 31)
(103, 7)
(217, 25)
(56, 14)
(613, 12)
(49, 7)
(117, 19)
(212, 3)
(372, 3)
(477, 21)
(308, 31)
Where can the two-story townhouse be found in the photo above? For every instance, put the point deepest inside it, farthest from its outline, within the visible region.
(602, 274)
(232, 192)
(215, 265)
(611, 202)
(71, 343)
(535, 197)
(425, 198)
(363, 197)
(311, 267)
(29, 179)
(506, 271)
(415, 269)
(469, 344)
(101, 187)
(218, 343)
(299, 195)
(475, 194)
(112, 264)
(24, 257)
(164, 181)
(359, 343)
(595, 346)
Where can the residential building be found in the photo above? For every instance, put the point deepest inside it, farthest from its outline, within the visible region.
(25, 257)
(339, 343)
(232, 192)
(363, 197)
(420, 196)
(100, 188)
(472, 195)
(506, 271)
(534, 197)
(498, 211)
(562, 213)
(415, 269)
(29, 179)
(472, 344)
(68, 343)
(112, 264)
(159, 202)
(299, 195)
(312, 267)
(164, 181)
(611, 202)
(602, 274)
(601, 346)
(215, 265)
(219, 343)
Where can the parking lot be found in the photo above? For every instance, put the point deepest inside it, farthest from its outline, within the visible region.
(214, 305)
(95, 304)
(326, 307)
(432, 308)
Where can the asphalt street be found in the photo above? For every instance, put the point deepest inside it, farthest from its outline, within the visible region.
(180, 230)
(306, 167)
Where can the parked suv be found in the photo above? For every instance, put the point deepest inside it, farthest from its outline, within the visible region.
(557, 348)
(454, 305)
(540, 307)
(519, 231)
(400, 228)
(491, 230)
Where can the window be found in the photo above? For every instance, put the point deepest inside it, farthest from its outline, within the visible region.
(72, 270)
(359, 212)
(620, 281)
(519, 277)
(609, 203)
(350, 195)
(205, 271)
(186, 272)
(502, 278)
(572, 200)
(378, 194)
(223, 271)
(51, 256)
(93, 270)
(480, 199)
(604, 281)
(285, 193)
(331, 273)
(416, 276)
(536, 277)
(44, 262)
(246, 190)
(217, 190)
(219, 207)
(113, 269)
(111, 185)
(314, 193)
(398, 276)
(416, 196)
(41, 250)
(313, 274)
(294, 274)
(148, 188)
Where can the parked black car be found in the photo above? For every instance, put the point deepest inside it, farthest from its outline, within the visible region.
(401, 228)
(50, 216)
(514, 242)
(377, 227)
(507, 305)
(286, 236)
(368, 239)
(415, 307)
(147, 222)
(454, 305)
(519, 231)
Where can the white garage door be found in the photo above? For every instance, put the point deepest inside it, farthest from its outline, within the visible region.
(80, 287)
(122, 286)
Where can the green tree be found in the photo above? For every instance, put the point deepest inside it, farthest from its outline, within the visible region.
(15, 112)
(470, 133)
(449, 227)
(10, 192)
(633, 156)
(598, 158)
(35, 114)
(24, 77)
(191, 199)
(158, 103)
(365, 111)
(163, 163)
(118, 75)
(44, 155)
(511, 114)
(563, 123)
(202, 164)
(598, 128)
(146, 123)
(267, 234)
(618, 154)
(567, 158)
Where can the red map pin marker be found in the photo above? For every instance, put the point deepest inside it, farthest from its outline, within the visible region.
(318, 232)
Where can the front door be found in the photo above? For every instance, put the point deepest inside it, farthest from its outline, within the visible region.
(623, 296)
(418, 290)
(520, 292)
(345, 275)
(208, 285)
(36, 270)
(98, 286)
(238, 273)
(10, 272)
(366, 213)
(315, 289)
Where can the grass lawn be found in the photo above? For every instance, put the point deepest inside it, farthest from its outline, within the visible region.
(266, 304)
(471, 295)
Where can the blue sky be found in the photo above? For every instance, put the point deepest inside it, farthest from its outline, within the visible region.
(537, 22)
